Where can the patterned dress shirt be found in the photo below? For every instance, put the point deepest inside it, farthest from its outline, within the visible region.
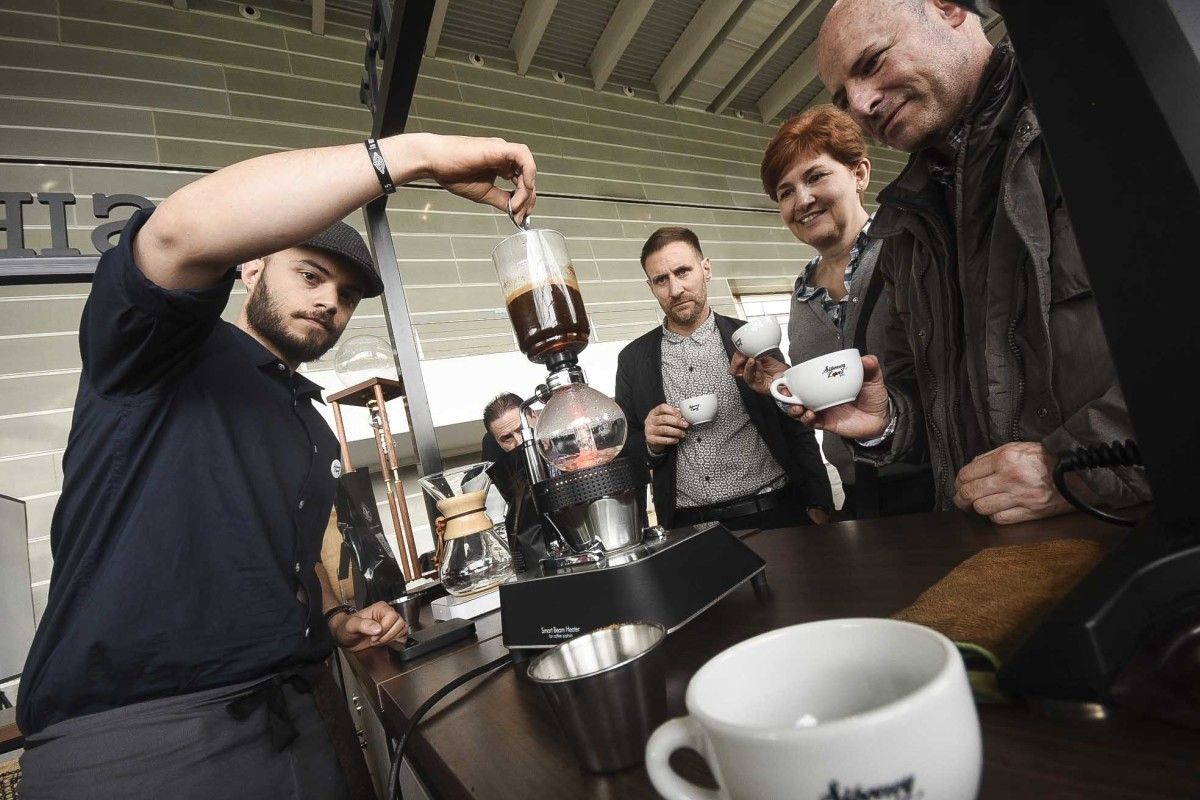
(724, 459)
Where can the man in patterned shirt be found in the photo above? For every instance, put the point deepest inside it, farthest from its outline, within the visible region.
(750, 467)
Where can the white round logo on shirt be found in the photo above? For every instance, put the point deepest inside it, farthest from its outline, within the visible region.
(335, 468)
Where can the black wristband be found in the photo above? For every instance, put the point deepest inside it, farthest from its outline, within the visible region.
(381, 168)
(333, 612)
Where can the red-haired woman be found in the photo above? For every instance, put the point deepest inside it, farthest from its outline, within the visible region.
(817, 170)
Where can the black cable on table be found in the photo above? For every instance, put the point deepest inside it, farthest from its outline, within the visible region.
(394, 792)
(1116, 454)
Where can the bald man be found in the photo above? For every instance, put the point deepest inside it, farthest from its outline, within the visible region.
(998, 364)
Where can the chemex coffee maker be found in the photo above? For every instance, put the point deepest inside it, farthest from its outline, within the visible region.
(601, 565)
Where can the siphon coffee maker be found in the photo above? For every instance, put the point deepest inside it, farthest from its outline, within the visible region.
(602, 566)
(589, 498)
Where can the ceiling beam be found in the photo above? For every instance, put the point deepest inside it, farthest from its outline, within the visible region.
(717, 42)
(318, 17)
(535, 16)
(435, 27)
(618, 33)
(790, 24)
(691, 45)
(794, 80)
(180, 4)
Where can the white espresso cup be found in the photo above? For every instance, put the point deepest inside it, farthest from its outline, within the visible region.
(758, 336)
(700, 409)
(843, 708)
(822, 382)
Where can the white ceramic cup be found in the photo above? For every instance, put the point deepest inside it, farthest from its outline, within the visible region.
(843, 708)
(758, 336)
(822, 382)
(699, 409)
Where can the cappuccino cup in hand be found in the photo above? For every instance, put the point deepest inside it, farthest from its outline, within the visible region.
(822, 382)
(700, 409)
(833, 709)
(758, 336)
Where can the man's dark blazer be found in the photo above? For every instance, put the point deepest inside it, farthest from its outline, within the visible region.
(640, 388)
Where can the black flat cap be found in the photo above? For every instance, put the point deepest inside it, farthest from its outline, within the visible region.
(340, 240)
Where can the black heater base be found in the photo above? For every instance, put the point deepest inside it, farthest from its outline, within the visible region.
(669, 581)
(1127, 635)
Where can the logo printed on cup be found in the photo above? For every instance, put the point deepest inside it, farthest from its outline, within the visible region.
(900, 790)
(834, 371)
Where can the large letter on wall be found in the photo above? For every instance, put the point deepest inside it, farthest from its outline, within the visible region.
(13, 224)
(102, 204)
(58, 202)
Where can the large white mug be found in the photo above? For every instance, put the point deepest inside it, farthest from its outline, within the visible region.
(822, 382)
(843, 708)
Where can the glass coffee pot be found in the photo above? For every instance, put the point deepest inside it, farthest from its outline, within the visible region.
(579, 427)
(542, 295)
(474, 558)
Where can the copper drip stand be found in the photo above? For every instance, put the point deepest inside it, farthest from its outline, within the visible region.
(373, 395)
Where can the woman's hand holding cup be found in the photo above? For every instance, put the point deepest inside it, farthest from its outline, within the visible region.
(665, 427)
(758, 373)
(866, 417)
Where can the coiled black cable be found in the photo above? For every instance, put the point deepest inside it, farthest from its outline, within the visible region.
(1116, 454)
(394, 792)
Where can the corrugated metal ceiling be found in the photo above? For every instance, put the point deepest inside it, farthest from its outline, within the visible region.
(572, 34)
(483, 25)
(575, 26)
(654, 39)
(776, 65)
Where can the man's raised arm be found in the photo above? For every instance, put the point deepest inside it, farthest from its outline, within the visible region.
(273, 202)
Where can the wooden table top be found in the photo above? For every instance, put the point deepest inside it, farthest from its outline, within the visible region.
(496, 737)
(10, 734)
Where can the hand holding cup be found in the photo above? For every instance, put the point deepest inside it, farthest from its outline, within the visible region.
(665, 427)
(864, 416)
(758, 373)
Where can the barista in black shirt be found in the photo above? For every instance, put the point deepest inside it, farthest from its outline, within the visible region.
(187, 600)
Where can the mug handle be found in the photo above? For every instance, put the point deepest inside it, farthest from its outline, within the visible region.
(784, 398)
(672, 735)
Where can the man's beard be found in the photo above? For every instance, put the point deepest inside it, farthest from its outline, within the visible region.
(693, 314)
(266, 318)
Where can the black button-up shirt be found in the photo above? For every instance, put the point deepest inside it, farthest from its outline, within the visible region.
(198, 481)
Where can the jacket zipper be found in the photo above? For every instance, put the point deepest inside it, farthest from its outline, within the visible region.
(1019, 356)
(939, 439)
(959, 159)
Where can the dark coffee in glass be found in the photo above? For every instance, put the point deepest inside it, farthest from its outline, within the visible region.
(548, 318)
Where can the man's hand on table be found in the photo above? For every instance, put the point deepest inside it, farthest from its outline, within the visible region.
(373, 626)
(1013, 483)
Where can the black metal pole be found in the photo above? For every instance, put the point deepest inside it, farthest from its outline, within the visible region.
(398, 37)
